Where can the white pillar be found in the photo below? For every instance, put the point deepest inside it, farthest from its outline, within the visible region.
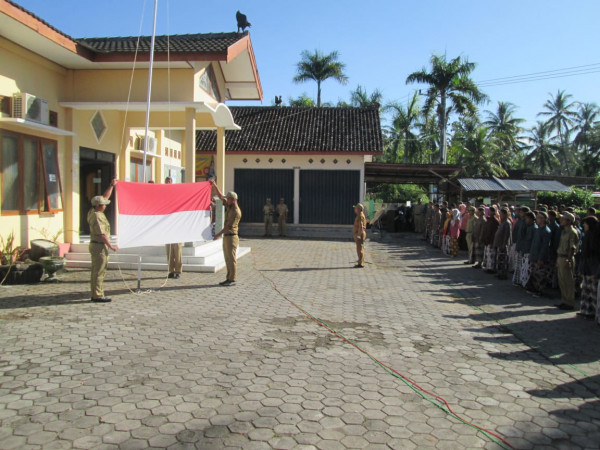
(220, 174)
(296, 195)
(190, 145)
(363, 185)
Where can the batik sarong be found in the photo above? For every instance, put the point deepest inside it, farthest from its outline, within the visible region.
(489, 258)
(502, 262)
(512, 257)
(589, 295)
(478, 253)
(540, 276)
(525, 270)
(517, 273)
(454, 246)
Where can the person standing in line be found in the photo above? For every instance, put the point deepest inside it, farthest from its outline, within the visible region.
(540, 256)
(231, 239)
(282, 215)
(436, 218)
(479, 237)
(428, 219)
(491, 226)
(455, 226)
(565, 261)
(502, 240)
(174, 251)
(590, 267)
(268, 211)
(100, 243)
(469, 234)
(419, 216)
(360, 234)
(555, 229)
(525, 247)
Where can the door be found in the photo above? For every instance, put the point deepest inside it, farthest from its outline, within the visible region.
(254, 186)
(327, 196)
(96, 170)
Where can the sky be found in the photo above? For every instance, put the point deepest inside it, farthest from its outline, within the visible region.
(380, 41)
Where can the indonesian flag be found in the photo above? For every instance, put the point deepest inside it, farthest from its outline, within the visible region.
(155, 214)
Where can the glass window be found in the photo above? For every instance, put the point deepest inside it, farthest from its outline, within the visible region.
(136, 170)
(51, 176)
(31, 188)
(10, 173)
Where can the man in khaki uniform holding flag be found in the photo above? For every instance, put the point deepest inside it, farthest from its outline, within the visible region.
(231, 239)
(100, 243)
(282, 213)
(360, 234)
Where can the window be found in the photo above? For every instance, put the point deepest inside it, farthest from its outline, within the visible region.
(136, 172)
(208, 82)
(98, 125)
(30, 175)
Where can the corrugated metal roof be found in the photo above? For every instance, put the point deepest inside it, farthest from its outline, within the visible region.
(506, 184)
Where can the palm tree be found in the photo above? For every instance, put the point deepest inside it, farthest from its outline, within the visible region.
(361, 99)
(301, 100)
(587, 138)
(506, 128)
(319, 67)
(542, 149)
(450, 89)
(402, 130)
(560, 114)
(478, 152)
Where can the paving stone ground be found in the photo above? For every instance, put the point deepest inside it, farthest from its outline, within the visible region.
(194, 365)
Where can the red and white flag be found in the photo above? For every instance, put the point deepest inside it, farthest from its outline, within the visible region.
(155, 214)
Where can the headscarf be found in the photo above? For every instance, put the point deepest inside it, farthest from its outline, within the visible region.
(455, 216)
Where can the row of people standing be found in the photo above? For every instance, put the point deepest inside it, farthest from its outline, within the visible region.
(282, 212)
(544, 248)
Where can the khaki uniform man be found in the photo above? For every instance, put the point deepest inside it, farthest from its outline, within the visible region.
(360, 234)
(231, 239)
(174, 252)
(565, 261)
(419, 216)
(99, 243)
(469, 238)
(268, 211)
(282, 214)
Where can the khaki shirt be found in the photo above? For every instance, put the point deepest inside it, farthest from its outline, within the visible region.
(268, 210)
(360, 224)
(282, 210)
(569, 240)
(98, 225)
(233, 215)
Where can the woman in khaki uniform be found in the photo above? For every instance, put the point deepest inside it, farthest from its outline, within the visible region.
(100, 243)
(360, 234)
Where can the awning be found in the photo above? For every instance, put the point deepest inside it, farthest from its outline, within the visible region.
(510, 185)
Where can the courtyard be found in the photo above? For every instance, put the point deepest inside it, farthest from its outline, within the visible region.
(195, 365)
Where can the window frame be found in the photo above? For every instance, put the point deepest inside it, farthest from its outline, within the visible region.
(43, 195)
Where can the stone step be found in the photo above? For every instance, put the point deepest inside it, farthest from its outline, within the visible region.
(333, 232)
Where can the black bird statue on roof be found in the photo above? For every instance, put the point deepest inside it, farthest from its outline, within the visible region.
(278, 100)
(242, 22)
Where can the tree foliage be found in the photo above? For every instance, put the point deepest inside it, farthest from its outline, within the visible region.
(318, 66)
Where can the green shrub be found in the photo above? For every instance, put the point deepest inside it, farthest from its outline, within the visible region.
(577, 197)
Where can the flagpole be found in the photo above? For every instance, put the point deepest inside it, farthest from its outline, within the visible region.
(149, 90)
(148, 96)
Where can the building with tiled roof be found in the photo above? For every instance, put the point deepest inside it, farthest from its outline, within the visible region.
(312, 157)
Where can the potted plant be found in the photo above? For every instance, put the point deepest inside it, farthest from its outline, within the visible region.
(63, 248)
(48, 252)
(15, 268)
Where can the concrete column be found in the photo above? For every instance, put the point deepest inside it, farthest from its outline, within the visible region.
(296, 195)
(363, 185)
(71, 181)
(220, 174)
(189, 149)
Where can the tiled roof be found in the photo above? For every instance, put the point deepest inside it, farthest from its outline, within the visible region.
(299, 129)
(506, 184)
(197, 43)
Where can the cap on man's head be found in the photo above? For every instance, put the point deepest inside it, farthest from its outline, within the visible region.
(232, 195)
(525, 209)
(359, 206)
(570, 217)
(99, 200)
(543, 214)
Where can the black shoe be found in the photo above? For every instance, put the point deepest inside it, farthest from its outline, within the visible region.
(585, 316)
(477, 266)
(467, 262)
(565, 307)
(177, 276)
(102, 300)
(358, 266)
(223, 283)
(171, 275)
(229, 283)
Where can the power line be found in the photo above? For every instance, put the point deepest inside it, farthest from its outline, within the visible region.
(538, 73)
(539, 78)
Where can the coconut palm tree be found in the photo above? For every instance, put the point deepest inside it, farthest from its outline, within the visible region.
(402, 132)
(319, 67)
(360, 98)
(587, 138)
(542, 149)
(450, 89)
(560, 117)
(478, 152)
(506, 128)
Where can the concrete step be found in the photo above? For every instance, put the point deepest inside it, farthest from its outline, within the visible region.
(333, 232)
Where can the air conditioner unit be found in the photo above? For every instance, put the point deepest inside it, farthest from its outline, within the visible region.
(30, 107)
(152, 144)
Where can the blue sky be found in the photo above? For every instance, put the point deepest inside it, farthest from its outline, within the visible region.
(381, 41)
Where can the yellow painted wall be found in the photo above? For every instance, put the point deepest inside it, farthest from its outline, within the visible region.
(113, 85)
(23, 71)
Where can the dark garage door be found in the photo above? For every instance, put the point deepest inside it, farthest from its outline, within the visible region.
(254, 186)
(327, 196)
